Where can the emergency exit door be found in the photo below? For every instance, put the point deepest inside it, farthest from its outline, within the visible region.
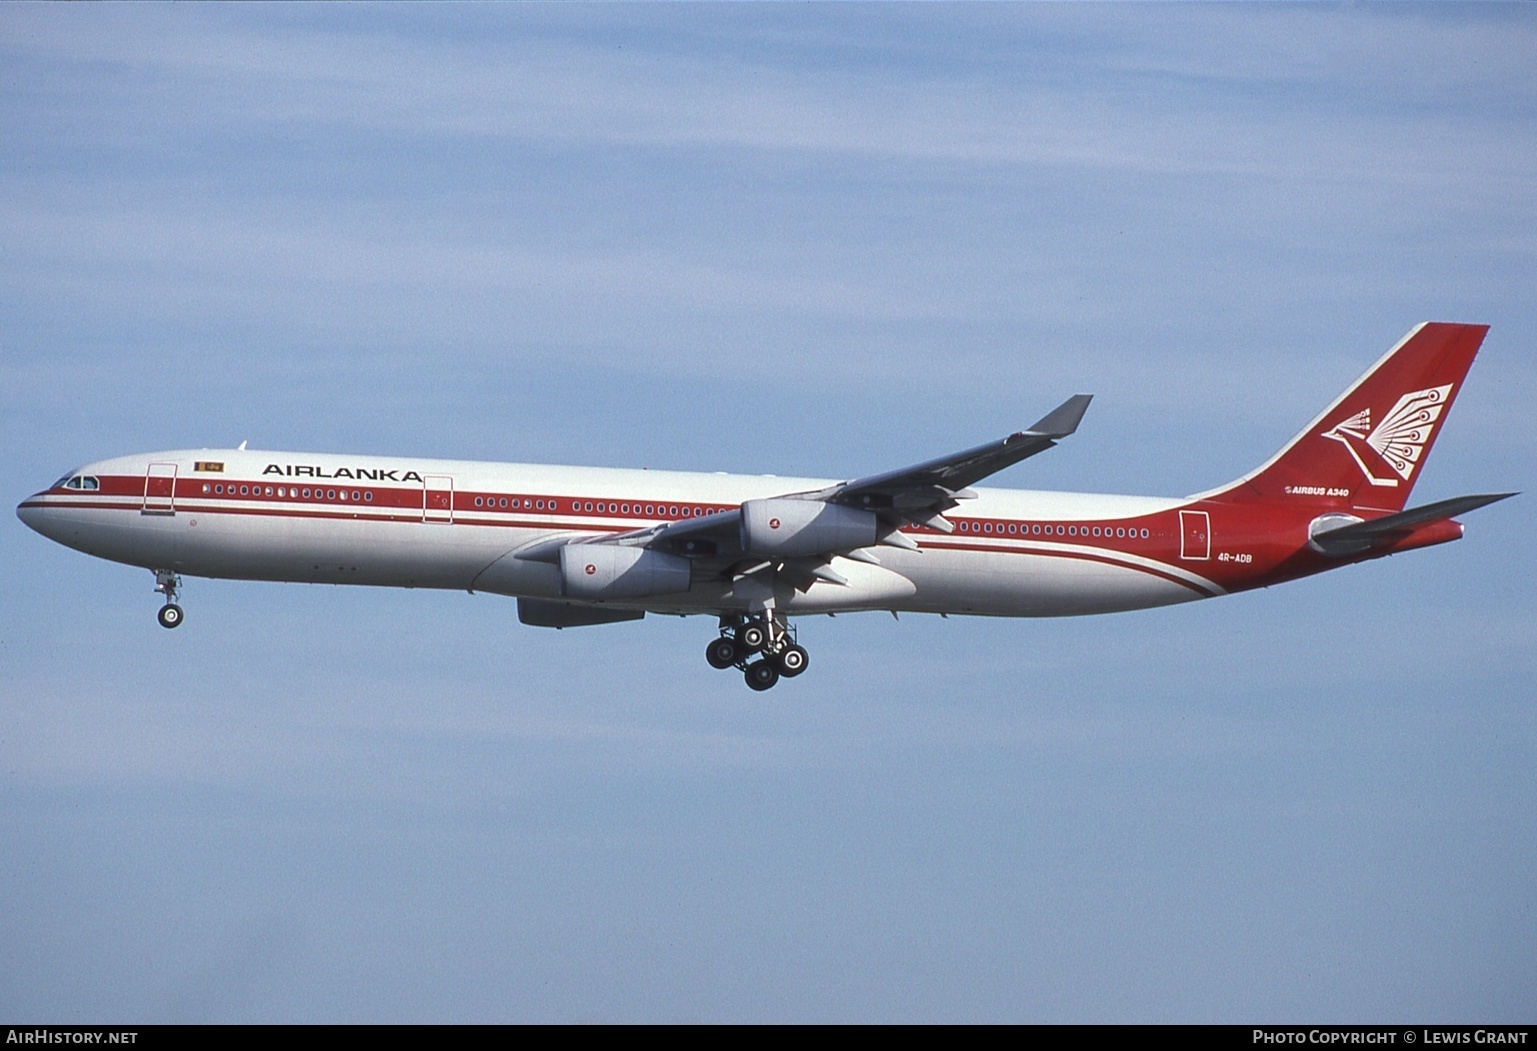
(159, 489)
(437, 498)
(1195, 535)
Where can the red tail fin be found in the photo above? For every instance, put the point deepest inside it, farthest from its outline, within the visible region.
(1366, 450)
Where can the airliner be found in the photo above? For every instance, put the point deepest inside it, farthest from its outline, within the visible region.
(584, 546)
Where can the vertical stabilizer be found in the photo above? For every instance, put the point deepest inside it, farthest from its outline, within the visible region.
(1367, 448)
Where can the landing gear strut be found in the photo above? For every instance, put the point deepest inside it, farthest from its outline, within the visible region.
(169, 585)
(761, 646)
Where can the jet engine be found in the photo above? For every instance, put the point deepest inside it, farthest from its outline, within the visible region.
(797, 528)
(607, 571)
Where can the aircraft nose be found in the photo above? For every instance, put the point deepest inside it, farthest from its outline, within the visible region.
(35, 515)
(27, 512)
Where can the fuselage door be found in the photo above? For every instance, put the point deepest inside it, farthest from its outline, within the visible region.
(1195, 535)
(159, 489)
(437, 498)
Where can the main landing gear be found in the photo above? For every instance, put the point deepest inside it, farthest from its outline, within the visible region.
(763, 647)
(169, 585)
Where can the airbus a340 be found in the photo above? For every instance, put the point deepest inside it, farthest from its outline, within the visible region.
(579, 546)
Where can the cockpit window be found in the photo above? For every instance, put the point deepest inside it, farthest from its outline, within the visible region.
(85, 482)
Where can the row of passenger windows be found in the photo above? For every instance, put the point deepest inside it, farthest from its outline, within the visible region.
(688, 511)
(1049, 530)
(599, 507)
(515, 503)
(286, 492)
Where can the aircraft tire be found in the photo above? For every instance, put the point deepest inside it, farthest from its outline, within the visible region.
(762, 675)
(170, 615)
(722, 653)
(793, 661)
(752, 637)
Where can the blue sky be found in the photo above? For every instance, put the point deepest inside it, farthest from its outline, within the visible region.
(822, 240)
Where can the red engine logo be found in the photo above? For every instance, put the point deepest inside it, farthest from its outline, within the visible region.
(773, 523)
(591, 569)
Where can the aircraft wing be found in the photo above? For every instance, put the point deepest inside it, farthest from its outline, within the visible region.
(718, 534)
(921, 493)
(857, 514)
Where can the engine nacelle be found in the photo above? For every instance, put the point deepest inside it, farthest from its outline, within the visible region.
(796, 528)
(607, 571)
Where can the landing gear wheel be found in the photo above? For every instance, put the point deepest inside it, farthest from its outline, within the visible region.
(721, 653)
(170, 615)
(762, 675)
(793, 661)
(752, 638)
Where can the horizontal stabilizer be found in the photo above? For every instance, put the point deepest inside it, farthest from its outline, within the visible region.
(1362, 536)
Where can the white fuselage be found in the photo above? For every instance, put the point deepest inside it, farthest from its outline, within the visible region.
(406, 522)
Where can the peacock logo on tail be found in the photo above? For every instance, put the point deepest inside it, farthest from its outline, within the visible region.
(1400, 439)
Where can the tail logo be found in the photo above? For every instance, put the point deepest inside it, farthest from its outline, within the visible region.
(1400, 439)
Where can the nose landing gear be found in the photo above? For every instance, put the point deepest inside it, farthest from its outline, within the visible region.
(169, 585)
(768, 638)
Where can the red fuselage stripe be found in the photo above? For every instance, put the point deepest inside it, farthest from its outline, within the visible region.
(1002, 543)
